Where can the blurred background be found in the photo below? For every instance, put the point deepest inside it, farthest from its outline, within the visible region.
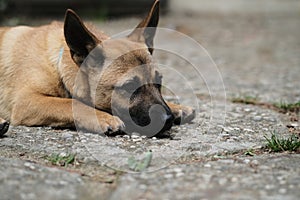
(255, 43)
(126, 7)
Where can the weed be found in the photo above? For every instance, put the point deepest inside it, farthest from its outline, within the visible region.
(140, 165)
(246, 99)
(61, 160)
(288, 107)
(249, 152)
(277, 144)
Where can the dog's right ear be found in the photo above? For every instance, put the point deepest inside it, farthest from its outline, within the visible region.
(146, 29)
(79, 39)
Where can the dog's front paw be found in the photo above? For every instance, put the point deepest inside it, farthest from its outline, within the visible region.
(4, 125)
(102, 123)
(182, 114)
(110, 124)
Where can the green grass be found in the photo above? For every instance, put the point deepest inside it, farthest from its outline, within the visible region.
(140, 165)
(246, 99)
(249, 152)
(288, 107)
(280, 144)
(56, 159)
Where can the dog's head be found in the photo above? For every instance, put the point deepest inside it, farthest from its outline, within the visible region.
(120, 74)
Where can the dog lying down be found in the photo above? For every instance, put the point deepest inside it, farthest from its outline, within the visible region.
(71, 75)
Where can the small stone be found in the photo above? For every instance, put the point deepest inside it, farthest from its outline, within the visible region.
(177, 170)
(227, 129)
(248, 130)
(254, 163)
(29, 165)
(282, 190)
(226, 161)
(269, 187)
(168, 176)
(126, 136)
(246, 161)
(257, 118)
(143, 187)
(154, 138)
(222, 181)
(179, 174)
(247, 109)
(132, 147)
(137, 139)
(234, 179)
(63, 154)
(67, 135)
(293, 125)
(135, 135)
(207, 165)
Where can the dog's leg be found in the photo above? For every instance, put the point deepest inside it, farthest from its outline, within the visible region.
(62, 112)
(182, 114)
(4, 125)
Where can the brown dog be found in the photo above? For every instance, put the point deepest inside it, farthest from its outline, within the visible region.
(67, 75)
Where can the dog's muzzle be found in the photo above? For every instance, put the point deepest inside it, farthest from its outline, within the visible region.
(150, 122)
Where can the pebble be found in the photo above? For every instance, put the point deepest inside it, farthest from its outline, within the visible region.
(168, 176)
(135, 136)
(257, 118)
(282, 190)
(228, 129)
(137, 140)
(67, 136)
(207, 165)
(29, 165)
(246, 161)
(294, 125)
(177, 170)
(234, 179)
(222, 181)
(249, 130)
(63, 154)
(226, 161)
(254, 163)
(179, 174)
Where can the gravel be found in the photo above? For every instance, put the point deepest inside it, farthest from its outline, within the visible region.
(255, 55)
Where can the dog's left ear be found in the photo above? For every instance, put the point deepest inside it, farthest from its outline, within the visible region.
(79, 39)
(145, 31)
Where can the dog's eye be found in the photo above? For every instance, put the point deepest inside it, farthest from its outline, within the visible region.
(129, 86)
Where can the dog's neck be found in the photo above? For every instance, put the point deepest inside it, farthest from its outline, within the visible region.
(75, 83)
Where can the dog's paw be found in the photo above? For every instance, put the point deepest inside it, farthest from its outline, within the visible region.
(101, 123)
(4, 125)
(183, 114)
(111, 124)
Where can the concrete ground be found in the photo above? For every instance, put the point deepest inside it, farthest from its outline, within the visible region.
(220, 156)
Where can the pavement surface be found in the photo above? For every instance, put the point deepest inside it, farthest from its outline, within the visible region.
(221, 155)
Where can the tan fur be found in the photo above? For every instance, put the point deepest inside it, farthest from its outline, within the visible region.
(38, 75)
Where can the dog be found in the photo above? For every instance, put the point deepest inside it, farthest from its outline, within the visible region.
(71, 75)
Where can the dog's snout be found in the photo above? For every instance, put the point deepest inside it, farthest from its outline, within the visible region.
(165, 116)
(169, 119)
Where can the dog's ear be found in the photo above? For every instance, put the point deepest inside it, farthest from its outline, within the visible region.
(79, 39)
(145, 31)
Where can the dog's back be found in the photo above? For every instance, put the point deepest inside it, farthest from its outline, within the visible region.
(28, 58)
